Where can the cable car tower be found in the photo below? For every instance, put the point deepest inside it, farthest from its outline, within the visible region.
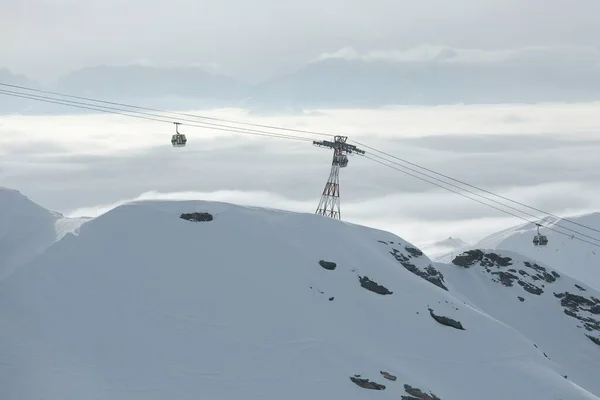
(329, 206)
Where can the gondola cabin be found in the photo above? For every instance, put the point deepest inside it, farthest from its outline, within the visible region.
(539, 239)
(178, 139)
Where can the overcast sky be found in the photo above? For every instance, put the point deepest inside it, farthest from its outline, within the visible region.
(254, 40)
(543, 155)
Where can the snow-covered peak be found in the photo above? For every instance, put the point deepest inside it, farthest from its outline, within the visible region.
(560, 314)
(573, 257)
(27, 229)
(439, 248)
(203, 300)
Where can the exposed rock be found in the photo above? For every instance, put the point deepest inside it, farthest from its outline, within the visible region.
(381, 241)
(522, 299)
(542, 272)
(197, 217)
(366, 384)
(531, 288)
(594, 339)
(430, 274)
(446, 321)
(413, 251)
(506, 278)
(472, 257)
(580, 288)
(577, 306)
(494, 265)
(417, 394)
(373, 286)
(327, 265)
(387, 375)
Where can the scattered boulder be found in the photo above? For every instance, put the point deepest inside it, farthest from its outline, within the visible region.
(446, 321)
(521, 299)
(388, 376)
(417, 394)
(373, 286)
(197, 217)
(366, 384)
(327, 265)
(331, 298)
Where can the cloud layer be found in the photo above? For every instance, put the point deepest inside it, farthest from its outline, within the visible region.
(544, 155)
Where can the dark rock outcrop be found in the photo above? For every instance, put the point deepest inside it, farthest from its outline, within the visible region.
(472, 257)
(373, 286)
(366, 384)
(531, 278)
(413, 251)
(417, 394)
(388, 376)
(446, 321)
(429, 273)
(197, 217)
(577, 306)
(327, 265)
(594, 339)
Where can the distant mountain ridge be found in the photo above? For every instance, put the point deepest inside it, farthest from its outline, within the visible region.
(429, 76)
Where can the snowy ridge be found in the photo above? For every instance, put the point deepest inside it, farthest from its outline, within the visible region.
(27, 229)
(573, 257)
(444, 247)
(253, 304)
(560, 314)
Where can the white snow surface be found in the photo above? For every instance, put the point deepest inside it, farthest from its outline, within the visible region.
(27, 229)
(142, 304)
(535, 300)
(576, 258)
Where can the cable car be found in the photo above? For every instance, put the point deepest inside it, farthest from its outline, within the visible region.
(178, 139)
(539, 240)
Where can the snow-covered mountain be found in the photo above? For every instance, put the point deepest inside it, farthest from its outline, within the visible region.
(560, 314)
(573, 257)
(27, 229)
(205, 300)
(443, 247)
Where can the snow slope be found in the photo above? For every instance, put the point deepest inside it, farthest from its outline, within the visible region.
(27, 229)
(571, 256)
(143, 304)
(560, 314)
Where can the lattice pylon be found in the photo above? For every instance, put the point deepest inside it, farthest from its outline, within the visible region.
(329, 205)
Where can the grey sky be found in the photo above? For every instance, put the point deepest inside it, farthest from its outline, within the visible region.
(256, 39)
